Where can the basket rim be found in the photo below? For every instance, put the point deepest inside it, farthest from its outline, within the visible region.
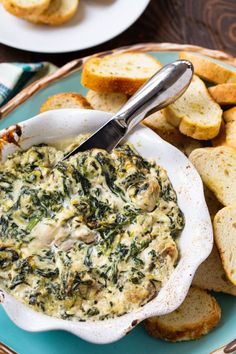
(76, 65)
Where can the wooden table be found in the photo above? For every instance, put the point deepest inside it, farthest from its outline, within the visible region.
(208, 23)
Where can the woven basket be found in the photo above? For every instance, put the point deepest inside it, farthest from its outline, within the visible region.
(77, 64)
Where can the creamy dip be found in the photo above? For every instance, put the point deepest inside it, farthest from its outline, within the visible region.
(93, 237)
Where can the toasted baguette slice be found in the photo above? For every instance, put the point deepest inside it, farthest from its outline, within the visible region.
(212, 202)
(22, 8)
(187, 145)
(224, 94)
(230, 115)
(211, 275)
(65, 100)
(119, 73)
(197, 316)
(217, 167)
(157, 122)
(227, 135)
(220, 139)
(195, 112)
(58, 12)
(225, 238)
(108, 102)
(209, 70)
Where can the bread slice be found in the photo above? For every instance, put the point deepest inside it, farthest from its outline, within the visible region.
(59, 12)
(65, 100)
(195, 112)
(108, 102)
(187, 145)
(227, 135)
(157, 122)
(225, 238)
(220, 139)
(197, 316)
(217, 167)
(212, 202)
(209, 70)
(21, 8)
(211, 275)
(230, 115)
(119, 73)
(224, 94)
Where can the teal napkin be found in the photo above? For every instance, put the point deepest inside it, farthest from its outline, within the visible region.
(15, 76)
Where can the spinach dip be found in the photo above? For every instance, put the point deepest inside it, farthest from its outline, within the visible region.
(91, 238)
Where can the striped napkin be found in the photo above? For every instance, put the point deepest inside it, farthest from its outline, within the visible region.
(15, 76)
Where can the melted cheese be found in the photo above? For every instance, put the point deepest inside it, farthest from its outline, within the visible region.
(93, 237)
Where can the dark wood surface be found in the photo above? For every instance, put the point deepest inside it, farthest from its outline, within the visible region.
(208, 23)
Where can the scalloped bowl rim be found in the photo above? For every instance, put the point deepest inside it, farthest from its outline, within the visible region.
(195, 242)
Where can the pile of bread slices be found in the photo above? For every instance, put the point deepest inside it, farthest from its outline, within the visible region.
(202, 124)
(48, 12)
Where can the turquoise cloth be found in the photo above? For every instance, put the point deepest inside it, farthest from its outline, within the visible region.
(15, 76)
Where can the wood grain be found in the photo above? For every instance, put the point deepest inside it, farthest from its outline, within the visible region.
(208, 23)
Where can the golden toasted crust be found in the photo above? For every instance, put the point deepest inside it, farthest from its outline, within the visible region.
(65, 100)
(195, 113)
(188, 145)
(112, 84)
(108, 102)
(217, 168)
(197, 316)
(220, 139)
(230, 115)
(225, 237)
(59, 12)
(115, 82)
(212, 202)
(227, 135)
(30, 8)
(211, 275)
(158, 123)
(224, 94)
(200, 131)
(209, 70)
(55, 13)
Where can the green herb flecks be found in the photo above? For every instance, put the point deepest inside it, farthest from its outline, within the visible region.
(109, 173)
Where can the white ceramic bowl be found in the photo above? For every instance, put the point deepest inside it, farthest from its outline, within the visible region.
(195, 242)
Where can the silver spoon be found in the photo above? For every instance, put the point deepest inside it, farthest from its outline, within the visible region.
(165, 87)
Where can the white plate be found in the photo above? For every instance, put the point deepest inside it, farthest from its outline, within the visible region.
(96, 22)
